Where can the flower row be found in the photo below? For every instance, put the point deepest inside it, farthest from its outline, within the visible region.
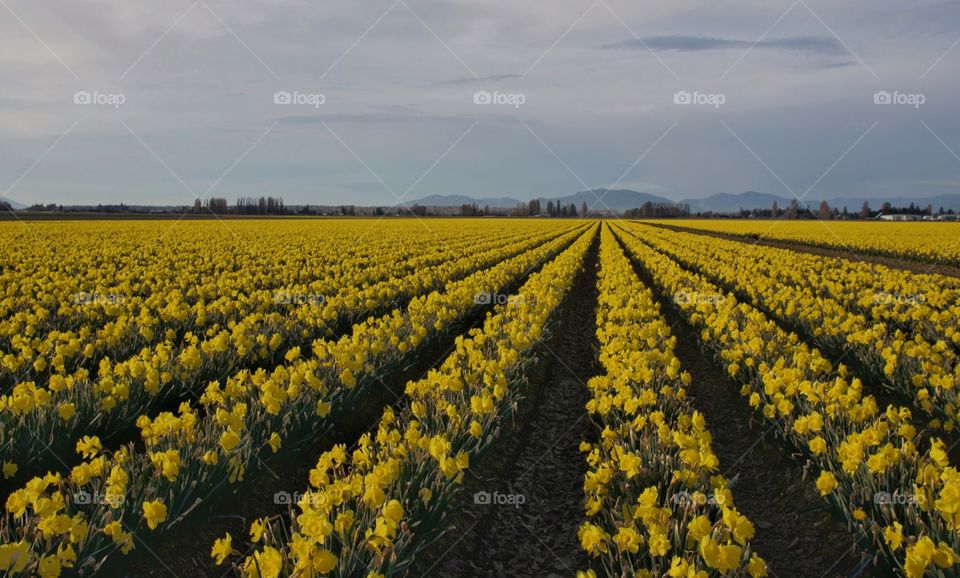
(656, 503)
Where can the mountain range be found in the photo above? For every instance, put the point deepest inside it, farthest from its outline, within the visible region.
(12, 203)
(619, 200)
(623, 199)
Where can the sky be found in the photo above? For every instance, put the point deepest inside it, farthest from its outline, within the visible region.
(381, 102)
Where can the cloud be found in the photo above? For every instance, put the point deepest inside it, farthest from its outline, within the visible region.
(374, 116)
(937, 18)
(400, 91)
(468, 80)
(823, 45)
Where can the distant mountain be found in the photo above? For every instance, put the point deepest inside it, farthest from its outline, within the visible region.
(619, 200)
(614, 199)
(458, 200)
(596, 199)
(730, 203)
(12, 203)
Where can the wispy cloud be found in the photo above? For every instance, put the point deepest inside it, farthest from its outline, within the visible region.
(378, 116)
(483, 79)
(823, 45)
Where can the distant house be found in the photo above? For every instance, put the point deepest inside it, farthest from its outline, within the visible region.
(900, 217)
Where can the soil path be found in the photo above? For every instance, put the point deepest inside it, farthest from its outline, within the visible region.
(520, 507)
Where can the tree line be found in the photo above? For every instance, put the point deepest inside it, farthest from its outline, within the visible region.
(825, 212)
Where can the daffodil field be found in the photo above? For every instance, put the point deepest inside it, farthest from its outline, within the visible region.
(161, 383)
(926, 242)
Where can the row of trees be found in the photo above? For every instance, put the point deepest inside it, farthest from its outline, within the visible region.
(825, 212)
(658, 211)
(243, 206)
(260, 206)
(533, 208)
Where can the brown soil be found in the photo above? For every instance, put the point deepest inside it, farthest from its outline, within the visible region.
(539, 459)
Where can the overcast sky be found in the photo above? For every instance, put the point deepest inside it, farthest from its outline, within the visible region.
(160, 102)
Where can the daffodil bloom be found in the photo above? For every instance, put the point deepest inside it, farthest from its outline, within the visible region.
(154, 512)
(826, 483)
(222, 548)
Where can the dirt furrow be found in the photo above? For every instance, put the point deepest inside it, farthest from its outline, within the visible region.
(520, 507)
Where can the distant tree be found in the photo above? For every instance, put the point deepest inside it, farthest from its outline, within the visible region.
(775, 210)
(845, 213)
(469, 210)
(793, 211)
(378, 211)
(550, 210)
(583, 209)
(886, 208)
(865, 210)
(216, 205)
(197, 206)
(824, 212)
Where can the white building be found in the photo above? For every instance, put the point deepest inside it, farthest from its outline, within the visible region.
(899, 217)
